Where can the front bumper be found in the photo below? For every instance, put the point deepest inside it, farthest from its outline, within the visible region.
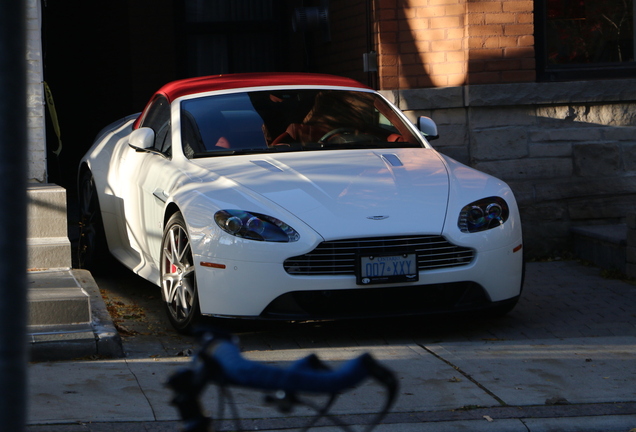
(433, 299)
(246, 289)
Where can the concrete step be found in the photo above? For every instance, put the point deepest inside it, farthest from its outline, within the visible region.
(58, 306)
(46, 213)
(47, 228)
(603, 245)
(48, 253)
(62, 342)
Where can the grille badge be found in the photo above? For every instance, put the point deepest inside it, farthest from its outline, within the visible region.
(380, 217)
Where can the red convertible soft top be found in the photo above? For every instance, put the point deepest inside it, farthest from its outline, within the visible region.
(189, 86)
(176, 89)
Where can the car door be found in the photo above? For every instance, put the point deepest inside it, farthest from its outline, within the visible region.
(152, 175)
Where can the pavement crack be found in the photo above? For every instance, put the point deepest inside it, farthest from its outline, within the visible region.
(465, 374)
(141, 388)
(525, 424)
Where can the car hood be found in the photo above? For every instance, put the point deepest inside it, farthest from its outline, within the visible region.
(346, 193)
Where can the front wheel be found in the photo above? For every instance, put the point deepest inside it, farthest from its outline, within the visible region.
(178, 281)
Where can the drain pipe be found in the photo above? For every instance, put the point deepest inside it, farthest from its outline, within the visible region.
(13, 174)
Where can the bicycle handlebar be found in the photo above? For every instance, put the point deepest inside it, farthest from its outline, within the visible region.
(219, 361)
(305, 375)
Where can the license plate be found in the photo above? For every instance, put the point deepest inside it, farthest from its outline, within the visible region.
(387, 269)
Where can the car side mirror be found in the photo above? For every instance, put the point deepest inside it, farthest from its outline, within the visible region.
(142, 139)
(427, 127)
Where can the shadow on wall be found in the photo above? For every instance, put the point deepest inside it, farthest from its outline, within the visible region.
(419, 51)
(570, 163)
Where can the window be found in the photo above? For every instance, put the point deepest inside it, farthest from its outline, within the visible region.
(579, 39)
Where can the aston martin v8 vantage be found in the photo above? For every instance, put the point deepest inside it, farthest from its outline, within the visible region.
(295, 197)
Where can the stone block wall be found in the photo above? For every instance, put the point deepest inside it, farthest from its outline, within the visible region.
(630, 249)
(568, 150)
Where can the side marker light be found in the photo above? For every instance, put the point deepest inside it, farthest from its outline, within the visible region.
(212, 265)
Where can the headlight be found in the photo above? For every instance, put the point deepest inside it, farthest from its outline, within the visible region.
(483, 215)
(254, 226)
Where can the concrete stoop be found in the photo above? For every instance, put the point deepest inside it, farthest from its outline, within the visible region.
(603, 245)
(58, 306)
(67, 317)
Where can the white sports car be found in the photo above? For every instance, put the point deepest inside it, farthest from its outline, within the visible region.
(295, 197)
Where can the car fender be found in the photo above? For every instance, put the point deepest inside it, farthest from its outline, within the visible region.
(468, 185)
(208, 240)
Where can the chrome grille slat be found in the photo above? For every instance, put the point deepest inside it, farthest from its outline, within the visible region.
(339, 257)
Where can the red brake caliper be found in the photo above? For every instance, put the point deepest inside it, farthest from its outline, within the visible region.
(173, 268)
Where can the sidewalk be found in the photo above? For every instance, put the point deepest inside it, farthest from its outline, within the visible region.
(550, 383)
(577, 384)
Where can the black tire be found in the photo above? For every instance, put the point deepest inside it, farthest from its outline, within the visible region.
(502, 309)
(178, 280)
(92, 249)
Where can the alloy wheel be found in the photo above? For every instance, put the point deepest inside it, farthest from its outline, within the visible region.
(178, 282)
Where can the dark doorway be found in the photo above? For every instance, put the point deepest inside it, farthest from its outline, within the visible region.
(230, 36)
(103, 61)
(86, 66)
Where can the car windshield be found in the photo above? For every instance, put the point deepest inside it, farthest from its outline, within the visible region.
(290, 120)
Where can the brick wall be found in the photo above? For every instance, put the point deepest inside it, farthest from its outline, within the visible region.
(500, 41)
(438, 43)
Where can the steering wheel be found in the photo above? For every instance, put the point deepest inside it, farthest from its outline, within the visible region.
(337, 131)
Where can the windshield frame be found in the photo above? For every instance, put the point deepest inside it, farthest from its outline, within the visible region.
(390, 120)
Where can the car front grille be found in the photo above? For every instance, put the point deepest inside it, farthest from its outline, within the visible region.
(339, 257)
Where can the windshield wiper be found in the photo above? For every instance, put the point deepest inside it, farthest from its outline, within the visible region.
(308, 147)
(215, 153)
(359, 145)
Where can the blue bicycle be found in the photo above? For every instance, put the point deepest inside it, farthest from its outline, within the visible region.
(218, 361)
